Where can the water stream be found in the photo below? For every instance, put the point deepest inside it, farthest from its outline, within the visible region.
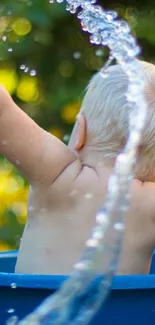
(80, 297)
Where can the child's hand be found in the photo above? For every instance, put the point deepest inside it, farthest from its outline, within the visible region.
(40, 156)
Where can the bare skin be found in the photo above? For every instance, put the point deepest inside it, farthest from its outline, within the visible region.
(68, 185)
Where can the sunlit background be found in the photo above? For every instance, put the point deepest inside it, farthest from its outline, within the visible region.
(45, 64)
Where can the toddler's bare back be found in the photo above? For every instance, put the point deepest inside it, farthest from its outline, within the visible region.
(60, 220)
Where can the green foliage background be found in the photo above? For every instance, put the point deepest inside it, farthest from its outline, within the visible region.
(64, 60)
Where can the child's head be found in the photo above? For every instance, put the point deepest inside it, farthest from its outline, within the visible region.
(105, 110)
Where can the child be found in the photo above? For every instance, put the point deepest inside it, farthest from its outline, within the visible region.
(68, 184)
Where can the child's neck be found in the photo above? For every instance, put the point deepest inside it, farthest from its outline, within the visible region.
(94, 159)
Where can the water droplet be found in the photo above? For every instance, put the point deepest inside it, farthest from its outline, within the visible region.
(66, 138)
(135, 137)
(76, 55)
(4, 38)
(119, 226)
(17, 162)
(92, 243)
(81, 14)
(84, 25)
(122, 165)
(51, 1)
(97, 233)
(122, 27)
(101, 217)
(13, 285)
(26, 70)
(133, 89)
(105, 37)
(11, 310)
(10, 49)
(71, 8)
(85, 265)
(33, 73)
(110, 15)
(88, 196)
(95, 39)
(122, 158)
(99, 52)
(59, 1)
(23, 67)
(90, 25)
(104, 73)
(113, 185)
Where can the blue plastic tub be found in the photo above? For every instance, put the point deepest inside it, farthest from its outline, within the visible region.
(131, 302)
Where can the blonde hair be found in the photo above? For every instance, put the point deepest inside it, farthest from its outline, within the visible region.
(106, 110)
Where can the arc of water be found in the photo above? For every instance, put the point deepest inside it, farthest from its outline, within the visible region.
(107, 30)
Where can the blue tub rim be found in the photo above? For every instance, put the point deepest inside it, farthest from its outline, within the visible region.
(36, 281)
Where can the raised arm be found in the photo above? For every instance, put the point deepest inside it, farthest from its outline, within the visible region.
(36, 153)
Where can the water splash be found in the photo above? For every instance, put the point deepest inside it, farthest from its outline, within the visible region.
(80, 297)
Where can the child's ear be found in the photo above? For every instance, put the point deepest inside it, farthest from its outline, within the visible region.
(81, 134)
